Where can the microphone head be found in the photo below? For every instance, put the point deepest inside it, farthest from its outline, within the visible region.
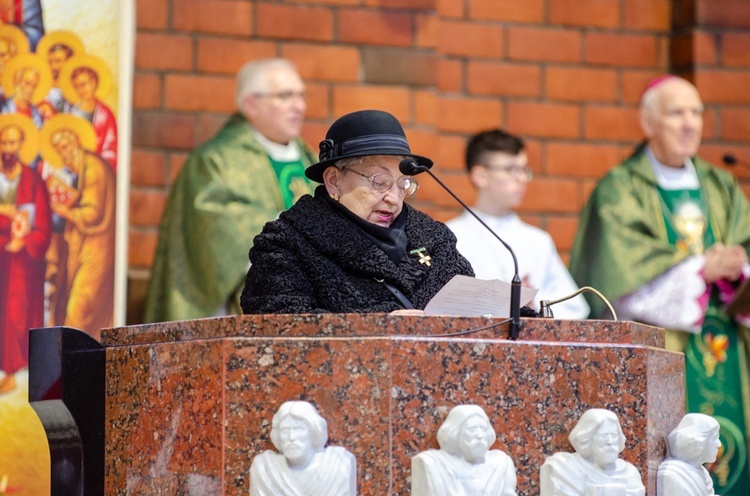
(729, 159)
(410, 167)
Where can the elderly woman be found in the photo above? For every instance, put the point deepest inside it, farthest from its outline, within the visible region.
(355, 246)
(598, 440)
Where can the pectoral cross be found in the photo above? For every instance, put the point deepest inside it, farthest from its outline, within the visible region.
(424, 257)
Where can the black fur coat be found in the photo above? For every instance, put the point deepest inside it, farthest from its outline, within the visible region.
(312, 260)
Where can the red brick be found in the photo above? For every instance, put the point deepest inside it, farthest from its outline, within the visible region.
(544, 119)
(328, 2)
(727, 13)
(621, 49)
(469, 115)
(563, 231)
(165, 130)
(161, 51)
(313, 133)
(350, 98)
(710, 122)
(551, 195)
(581, 159)
(375, 27)
(146, 207)
(735, 49)
(293, 22)
(599, 13)
(146, 91)
(208, 125)
(176, 163)
(404, 4)
(612, 123)
(326, 63)
(695, 48)
(212, 16)
(426, 107)
(489, 78)
(655, 15)
(318, 103)
(714, 153)
(421, 141)
(634, 84)
(148, 168)
(581, 84)
(458, 183)
(203, 93)
(735, 124)
(228, 55)
(470, 39)
(151, 14)
(526, 11)
(723, 86)
(141, 247)
(450, 152)
(450, 8)
(449, 75)
(427, 30)
(555, 45)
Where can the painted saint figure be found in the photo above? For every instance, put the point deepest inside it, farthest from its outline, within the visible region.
(26, 79)
(303, 465)
(595, 467)
(89, 213)
(464, 465)
(57, 47)
(24, 237)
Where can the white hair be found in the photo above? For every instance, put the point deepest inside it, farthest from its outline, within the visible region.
(252, 77)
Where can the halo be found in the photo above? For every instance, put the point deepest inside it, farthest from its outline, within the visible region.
(67, 38)
(30, 145)
(79, 126)
(28, 60)
(17, 36)
(84, 60)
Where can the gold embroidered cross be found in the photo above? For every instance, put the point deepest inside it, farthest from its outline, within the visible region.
(424, 258)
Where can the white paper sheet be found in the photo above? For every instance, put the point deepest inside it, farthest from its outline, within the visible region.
(466, 296)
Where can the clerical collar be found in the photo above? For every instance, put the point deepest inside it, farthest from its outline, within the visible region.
(277, 151)
(392, 240)
(671, 178)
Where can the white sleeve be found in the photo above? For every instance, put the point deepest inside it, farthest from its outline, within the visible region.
(670, 300)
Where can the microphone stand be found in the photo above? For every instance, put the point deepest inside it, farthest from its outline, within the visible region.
(410, 168)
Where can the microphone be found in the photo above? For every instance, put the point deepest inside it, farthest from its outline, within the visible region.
(410, 167)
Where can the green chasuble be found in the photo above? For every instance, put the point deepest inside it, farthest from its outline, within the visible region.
(226, 191)
(628, 235)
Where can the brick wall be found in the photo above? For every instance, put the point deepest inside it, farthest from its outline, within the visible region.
(565, 74)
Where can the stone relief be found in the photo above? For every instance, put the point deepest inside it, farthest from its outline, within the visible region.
(464, 465)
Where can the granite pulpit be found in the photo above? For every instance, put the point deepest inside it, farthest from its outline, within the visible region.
(186, 405)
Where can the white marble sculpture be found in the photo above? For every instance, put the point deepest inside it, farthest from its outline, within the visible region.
(302, 466)
(464, 465)
(692, 443)
(595, 468)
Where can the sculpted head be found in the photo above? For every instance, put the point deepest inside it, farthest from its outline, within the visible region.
(672, 119)
(271, 95)
(695, 440)
(467, 433)
(298, 432)
(598, 437)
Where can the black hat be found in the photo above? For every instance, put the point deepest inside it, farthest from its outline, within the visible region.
(359, 134)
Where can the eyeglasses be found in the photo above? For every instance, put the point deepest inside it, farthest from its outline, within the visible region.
(512, 171)
(383, 181)
(282, 96)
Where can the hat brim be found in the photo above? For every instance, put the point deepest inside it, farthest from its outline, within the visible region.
(315, 171)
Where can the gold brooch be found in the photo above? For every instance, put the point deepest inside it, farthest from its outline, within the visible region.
(424, 257)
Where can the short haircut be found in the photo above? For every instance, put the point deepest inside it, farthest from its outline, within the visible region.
(252, 77)
(22, 135)
(491, 141)
(688, 440)
(85, 70)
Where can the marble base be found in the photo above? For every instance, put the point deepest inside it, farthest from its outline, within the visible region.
(188, 404)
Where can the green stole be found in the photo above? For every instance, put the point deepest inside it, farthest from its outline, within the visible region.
(292, 180)
(715, 367)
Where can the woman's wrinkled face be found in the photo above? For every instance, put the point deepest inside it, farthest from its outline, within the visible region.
(357, 192)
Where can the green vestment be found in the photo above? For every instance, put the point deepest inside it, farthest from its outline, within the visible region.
(624, 241)
(225, 193)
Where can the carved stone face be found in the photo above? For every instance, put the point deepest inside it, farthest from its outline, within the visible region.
(472, 440)
(605, 445)
(711, 448)
(295, 440)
